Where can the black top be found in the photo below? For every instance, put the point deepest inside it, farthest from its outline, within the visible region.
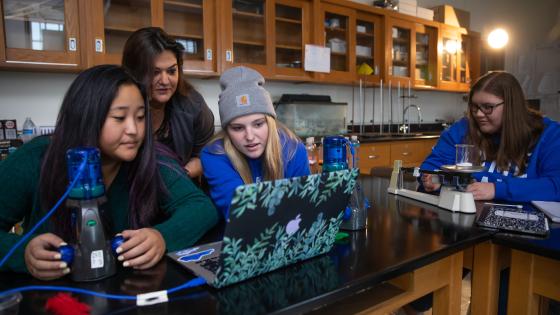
(187, 126)
(402, 235)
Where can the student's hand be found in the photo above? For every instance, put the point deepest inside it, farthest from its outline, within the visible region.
(142, 249)
(482, 191)
(194, 167)
(427, 183)
(43, 260)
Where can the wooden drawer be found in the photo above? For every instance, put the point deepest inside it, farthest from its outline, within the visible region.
(410, 152)
(373, 155)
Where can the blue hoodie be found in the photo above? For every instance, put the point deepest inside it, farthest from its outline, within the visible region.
(541, 180)
(223, 179)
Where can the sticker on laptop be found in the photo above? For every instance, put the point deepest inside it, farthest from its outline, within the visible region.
(186, 251)
(196, 256)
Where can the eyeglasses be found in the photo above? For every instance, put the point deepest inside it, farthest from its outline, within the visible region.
(486, 108)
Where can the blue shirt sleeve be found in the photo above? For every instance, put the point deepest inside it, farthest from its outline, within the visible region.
(222, 178)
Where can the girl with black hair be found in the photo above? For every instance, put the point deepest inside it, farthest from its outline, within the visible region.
(150, 200)
(180, 117)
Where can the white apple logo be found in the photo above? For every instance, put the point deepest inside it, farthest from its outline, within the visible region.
(293, 225)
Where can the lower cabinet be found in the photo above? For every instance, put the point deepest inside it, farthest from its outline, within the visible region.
(382, 154)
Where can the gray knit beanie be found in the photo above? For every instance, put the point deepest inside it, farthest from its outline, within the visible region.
(243, 94)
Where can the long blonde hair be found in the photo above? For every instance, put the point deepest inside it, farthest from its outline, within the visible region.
(273, 164)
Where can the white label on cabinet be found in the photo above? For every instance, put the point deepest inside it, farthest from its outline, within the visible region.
(72, 44)
(98, 45)
(208, 54)
(229, 56)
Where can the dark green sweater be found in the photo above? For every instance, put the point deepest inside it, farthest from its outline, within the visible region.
(190, 212)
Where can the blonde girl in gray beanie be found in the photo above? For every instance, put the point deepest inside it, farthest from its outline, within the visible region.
(252, 146)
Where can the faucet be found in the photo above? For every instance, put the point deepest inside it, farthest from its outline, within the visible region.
(404, 128)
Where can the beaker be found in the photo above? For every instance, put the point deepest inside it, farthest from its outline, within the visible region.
(466, 155)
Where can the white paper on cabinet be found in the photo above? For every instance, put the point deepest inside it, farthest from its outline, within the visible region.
(317, 58)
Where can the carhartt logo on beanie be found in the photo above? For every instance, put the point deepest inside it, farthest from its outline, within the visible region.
(243, 94)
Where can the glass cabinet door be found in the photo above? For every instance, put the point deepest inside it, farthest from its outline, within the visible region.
(121, 18)
(188, 22)
(42, 31)
(400, 52)
(249, 33)
(368, 46)
(449, 60)
(336, 38)
(338, 35)
(400, 39)
(425, 61)
(291, 18)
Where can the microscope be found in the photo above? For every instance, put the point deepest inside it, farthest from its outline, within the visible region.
(91, 256)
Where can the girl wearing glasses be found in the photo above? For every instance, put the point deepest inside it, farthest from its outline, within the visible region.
(519, 147)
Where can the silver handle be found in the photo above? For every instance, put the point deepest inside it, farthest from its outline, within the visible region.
(406, 153)
(371, 157)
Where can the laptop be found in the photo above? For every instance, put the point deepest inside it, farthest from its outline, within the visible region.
(273, 224)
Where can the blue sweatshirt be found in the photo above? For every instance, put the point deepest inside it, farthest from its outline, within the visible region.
(541, 180)
(223, 179)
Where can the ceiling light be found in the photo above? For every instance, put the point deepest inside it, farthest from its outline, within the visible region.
(498, 38)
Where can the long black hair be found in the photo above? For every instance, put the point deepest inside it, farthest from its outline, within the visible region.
(182, 110)
(79, 123)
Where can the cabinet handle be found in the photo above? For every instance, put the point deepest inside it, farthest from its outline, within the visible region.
(229, 56)
(371, 157)
(406, 153)
(72, 44)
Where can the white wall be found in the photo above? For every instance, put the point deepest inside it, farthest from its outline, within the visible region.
(39, 95)
(533, 51)
(529, 56)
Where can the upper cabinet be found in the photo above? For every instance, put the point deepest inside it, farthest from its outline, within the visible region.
(267, 35)
(337, 34)
(40, 34)
(411, 53)
(366, 43)
(459, 58)
(190, 22)
(292, 31)
(368, 48)
(193, 24)
(425, 56)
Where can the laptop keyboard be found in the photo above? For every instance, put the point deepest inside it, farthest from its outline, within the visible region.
(210, 264)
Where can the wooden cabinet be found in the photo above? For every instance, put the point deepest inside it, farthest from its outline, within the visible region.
(267, 35)
(374, 155)
(40, 34)
(425, 56)
(193, 24)
(367, 43)
(459, 58)
(355, 38)
(410, 152)
(337, 35)
(411, 53)
(382, 154)
(190, 22)
(292, 31)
